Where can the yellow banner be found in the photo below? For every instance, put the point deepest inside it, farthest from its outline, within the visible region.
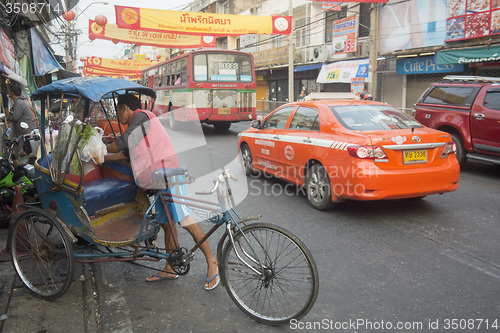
(117, 64)
(189, 23)
(152, 38)
(90, 71)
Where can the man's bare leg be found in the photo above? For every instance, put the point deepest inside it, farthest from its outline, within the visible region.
(167, 272)
(197, 233)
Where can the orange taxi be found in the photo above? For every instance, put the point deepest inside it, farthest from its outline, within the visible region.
(350, 149)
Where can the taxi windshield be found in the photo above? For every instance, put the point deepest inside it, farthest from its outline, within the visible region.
(373, 117)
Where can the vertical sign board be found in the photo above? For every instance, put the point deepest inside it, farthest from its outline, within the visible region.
(357, 85)
(344, 35)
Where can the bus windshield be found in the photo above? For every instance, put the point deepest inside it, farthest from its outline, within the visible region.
(222, 67)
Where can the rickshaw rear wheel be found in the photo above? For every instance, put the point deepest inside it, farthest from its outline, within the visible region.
(42, 253)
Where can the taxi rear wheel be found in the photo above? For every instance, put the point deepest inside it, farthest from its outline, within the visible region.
(247, 160)
(319, 189)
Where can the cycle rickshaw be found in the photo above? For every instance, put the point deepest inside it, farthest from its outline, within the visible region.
(101, 215)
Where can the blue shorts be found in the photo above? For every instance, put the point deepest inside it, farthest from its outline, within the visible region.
(178, 211)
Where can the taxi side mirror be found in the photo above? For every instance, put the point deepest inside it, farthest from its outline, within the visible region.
(256, 124)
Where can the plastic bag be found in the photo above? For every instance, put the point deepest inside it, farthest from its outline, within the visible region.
(96, 147)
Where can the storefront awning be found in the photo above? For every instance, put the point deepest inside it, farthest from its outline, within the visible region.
(307, 67)
(467, 56)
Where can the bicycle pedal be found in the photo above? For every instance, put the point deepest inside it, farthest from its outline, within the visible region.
(187, 258)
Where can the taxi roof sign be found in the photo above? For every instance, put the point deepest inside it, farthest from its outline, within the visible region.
(331, 95)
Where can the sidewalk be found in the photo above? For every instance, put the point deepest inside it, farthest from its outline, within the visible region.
(20, 311)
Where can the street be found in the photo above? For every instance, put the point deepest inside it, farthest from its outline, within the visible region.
(420, 265)
(407, 261)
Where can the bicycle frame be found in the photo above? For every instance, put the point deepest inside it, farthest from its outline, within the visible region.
(226, 214)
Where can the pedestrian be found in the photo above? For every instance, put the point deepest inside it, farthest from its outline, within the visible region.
(365, 96)
(163, 155)
(301, 96)
(20, 116)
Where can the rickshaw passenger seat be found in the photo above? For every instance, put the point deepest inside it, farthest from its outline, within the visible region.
(102, 193)
(99, 192)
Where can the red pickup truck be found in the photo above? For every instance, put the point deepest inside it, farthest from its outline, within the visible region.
(467, 107)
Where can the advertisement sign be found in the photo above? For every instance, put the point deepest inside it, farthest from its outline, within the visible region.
(344, 71)
(337, 6)
(195, 23)
(411, 24)
(471, 19)
(7, 52)
(357, 85)
(425, 65)
(151, 38)
(374, 1)
(43, 62)
(344, 35)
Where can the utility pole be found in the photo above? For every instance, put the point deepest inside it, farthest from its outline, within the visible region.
(290, 54)
(373, 49)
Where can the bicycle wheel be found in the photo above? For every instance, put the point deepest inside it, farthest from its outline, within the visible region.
(289, 286)
(42, 254)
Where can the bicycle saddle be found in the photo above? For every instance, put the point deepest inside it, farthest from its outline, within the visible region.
(164, 173)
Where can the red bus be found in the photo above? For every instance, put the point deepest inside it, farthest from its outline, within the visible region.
(213, 86)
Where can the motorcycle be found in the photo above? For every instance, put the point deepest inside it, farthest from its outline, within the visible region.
(10, 177)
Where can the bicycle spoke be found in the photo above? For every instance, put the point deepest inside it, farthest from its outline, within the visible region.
(289, 284)
(42, 253)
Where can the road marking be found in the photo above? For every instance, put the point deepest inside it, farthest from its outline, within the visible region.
(473, 262)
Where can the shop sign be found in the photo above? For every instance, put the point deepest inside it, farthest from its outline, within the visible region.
(344, 71)
(344, 35)
(357, 85)
(425, 65)
(276, 56)
(467, 56)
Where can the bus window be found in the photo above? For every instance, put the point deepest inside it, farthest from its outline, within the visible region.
(183, 70)
(172, 73)
(222, 67)
(177, 76)
(245, 69)
(200, 67)
(163, 75)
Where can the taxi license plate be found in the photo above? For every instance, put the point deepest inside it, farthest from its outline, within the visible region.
(414, 156)
(224, 110)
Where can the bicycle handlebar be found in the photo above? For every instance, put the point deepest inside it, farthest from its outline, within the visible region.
(225, 175)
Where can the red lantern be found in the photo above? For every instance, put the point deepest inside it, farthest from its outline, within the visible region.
(69, 15)
(101, 20)
(82, 59)
(116, 41)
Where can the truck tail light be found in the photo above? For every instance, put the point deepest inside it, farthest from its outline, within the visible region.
(367, 152)
(449, 148)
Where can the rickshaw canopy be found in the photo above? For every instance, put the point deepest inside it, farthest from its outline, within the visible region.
(92, 88)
